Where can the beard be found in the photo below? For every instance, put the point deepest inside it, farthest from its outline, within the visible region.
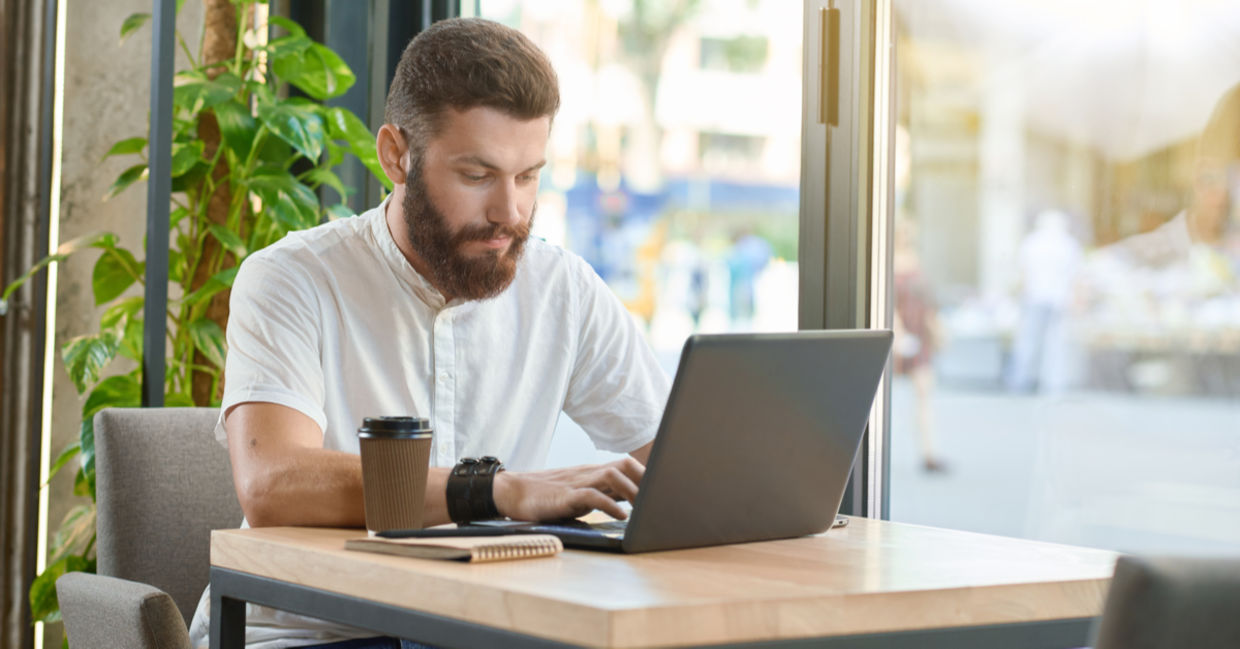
(452, 271)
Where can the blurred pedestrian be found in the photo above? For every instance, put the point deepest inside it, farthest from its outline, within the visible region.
(1050, 258)
(916, 335)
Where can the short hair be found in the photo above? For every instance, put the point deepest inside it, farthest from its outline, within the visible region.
(463, 63)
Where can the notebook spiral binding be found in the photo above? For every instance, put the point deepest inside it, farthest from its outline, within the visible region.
(517, 548)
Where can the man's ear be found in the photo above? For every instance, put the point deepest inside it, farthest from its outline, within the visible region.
(391, 146)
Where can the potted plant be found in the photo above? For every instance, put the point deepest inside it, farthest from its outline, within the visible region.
(247, 160)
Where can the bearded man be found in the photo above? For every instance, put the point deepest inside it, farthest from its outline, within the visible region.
(438, 304)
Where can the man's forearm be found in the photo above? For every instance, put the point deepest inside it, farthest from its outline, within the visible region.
(317, 487)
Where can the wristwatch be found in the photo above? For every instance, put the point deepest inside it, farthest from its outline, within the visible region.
(469, 491)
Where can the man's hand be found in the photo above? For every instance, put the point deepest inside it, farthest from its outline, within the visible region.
(569, 492)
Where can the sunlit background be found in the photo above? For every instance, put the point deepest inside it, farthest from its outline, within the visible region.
(1068, 323)
(1067, 258)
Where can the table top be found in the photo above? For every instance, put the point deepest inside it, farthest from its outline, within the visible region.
(869, 577)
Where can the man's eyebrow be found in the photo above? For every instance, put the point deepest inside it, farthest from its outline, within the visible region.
(479, 161)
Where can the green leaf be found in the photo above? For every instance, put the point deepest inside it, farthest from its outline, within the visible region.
(127, 178)
(287, 25)
(275, 151)
(125, 309)
(185, 156)
(317, 71)
(71, 451)
(75, 532)
(334, 157)
(220, 281)
(194, 92)
(85, 357)
(43, 602)
(339, 211)
(189, 182)
(85, 477)
(178, 400)
(131, 341)
(342, 124)
(237, 126)
(126, 147)
(82, 486)
(287, 47)
(209, 339)
(115, 271)
(291, 203)
(320, 176)
(120, 391)
(176, 266)
(177, 215)
(300, 127)
(230, 240)
(132, 23)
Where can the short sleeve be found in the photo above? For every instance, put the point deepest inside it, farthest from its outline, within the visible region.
(617, 391)
(274, 340)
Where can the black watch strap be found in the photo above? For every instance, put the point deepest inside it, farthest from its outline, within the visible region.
(470, 491)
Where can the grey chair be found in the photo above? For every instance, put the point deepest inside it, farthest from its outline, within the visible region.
(163, 483)
(1172, 603)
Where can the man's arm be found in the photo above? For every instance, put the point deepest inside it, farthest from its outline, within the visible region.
(643, 454)
(284, 476)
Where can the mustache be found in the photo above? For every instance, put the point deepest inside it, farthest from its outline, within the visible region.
(519, 232)
(493, 231)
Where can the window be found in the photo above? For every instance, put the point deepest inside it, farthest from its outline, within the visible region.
(1067, 248)
(673, 166)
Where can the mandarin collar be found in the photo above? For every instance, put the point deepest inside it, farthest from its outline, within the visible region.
(405, 273)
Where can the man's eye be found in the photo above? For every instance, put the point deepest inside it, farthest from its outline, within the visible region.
(474, 178)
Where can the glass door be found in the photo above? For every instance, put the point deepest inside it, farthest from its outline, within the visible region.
(1065, 254)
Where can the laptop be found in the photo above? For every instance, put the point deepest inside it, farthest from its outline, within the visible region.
(756, 443)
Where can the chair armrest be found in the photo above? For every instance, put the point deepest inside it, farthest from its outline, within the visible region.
(103, 611)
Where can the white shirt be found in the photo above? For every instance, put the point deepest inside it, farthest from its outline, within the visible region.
(335, 323)
(1050, 258)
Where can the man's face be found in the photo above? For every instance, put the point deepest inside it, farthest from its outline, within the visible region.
(470, 199)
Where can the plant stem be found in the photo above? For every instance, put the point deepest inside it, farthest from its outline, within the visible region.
(185, 48)
(238, 59)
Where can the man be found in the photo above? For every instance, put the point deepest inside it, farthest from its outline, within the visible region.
(435, 304)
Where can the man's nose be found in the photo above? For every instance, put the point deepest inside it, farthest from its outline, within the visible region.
(505, 207)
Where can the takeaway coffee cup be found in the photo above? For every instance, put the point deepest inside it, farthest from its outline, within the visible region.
(395, 458)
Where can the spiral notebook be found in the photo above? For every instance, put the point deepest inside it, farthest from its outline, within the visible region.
(463, 548)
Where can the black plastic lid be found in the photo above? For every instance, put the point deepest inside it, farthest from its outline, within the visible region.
(394, 427)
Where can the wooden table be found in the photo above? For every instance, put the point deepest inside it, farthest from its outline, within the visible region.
(870, 584)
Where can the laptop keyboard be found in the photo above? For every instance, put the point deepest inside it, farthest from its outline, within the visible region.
(611, 529)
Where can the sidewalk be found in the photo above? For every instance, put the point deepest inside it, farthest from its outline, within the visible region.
(1136, 474)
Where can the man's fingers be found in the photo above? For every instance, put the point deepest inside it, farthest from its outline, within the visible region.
(631, 468)
(590, 499)
(615, 483)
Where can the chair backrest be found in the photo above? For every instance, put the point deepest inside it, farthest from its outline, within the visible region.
(163, 483)
(1168, 603)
